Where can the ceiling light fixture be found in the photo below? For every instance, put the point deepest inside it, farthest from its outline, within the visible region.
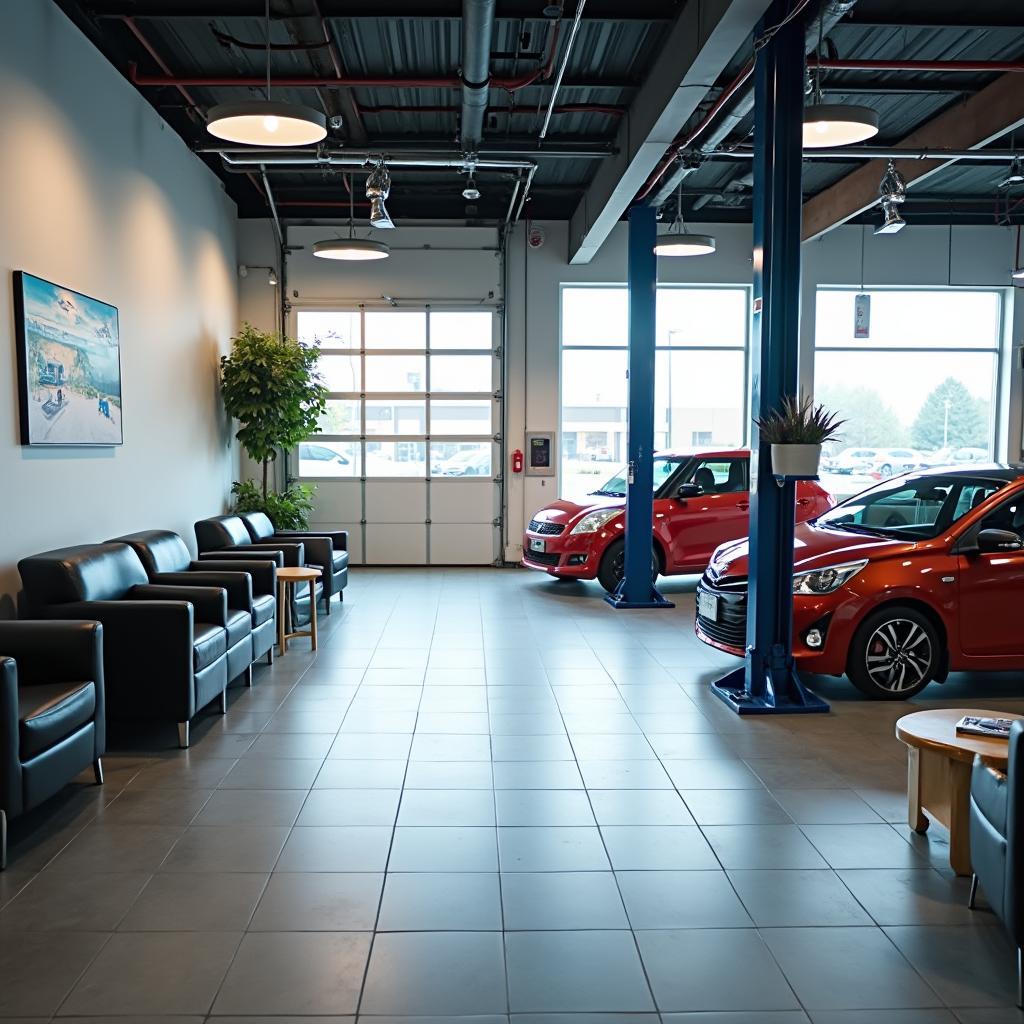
(378, 188)
(1017, 274)
(265, 122)
(351, 248)
(680, 242)
(834, 124)
(892, 191)
(1015, 176)
(471, 191)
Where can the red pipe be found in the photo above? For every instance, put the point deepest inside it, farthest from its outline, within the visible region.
(977, 67)
(157, 59)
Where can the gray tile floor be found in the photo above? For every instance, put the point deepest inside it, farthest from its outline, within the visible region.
(492, 795)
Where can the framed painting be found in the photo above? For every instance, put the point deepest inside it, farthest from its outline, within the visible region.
(69, 365)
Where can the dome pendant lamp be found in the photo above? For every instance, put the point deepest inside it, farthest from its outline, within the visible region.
(680, 242)
(351, 248)
(827, 125)
(265, 122)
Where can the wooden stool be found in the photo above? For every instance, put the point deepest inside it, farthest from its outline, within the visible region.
(293, 575)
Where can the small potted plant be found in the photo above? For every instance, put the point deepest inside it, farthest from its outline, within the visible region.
(796, 431)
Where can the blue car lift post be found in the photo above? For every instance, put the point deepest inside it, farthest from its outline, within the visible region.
(768, 682)
(637, 589)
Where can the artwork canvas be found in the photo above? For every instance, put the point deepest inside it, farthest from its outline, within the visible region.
(69, 365)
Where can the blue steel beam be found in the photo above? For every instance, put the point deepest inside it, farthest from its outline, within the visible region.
(768, 681)
(637, 588)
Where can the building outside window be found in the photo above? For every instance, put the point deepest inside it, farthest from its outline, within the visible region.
(700, 375)
(920, 390)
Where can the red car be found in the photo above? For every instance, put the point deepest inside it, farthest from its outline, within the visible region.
(701, 499)
(916, 577)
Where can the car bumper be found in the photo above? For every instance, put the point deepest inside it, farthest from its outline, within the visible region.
(567, 555)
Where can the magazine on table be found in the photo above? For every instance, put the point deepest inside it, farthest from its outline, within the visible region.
(975, 726)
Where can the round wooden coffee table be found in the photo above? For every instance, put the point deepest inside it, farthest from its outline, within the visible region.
(293, 575)
(939, 772)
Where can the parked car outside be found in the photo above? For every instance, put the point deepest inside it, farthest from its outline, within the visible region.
(472, 462)
(319, 459)
(954, 457)
(852, 460)
(916, 577)
(892, 461)
(701, 499)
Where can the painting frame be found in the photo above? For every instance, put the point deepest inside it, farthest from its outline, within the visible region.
(60, 329)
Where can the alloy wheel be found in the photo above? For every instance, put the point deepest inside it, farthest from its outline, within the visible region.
(899, 654)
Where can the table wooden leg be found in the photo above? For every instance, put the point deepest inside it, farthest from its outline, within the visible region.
(960, 817)
(312, 612)
(282, 596)
(916, 817)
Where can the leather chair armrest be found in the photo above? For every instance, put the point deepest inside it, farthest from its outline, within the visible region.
(294, 551)
(319, 551)
(10, 764)
(262, 573)
(54, 652)
(275, 558)
(339, 538)
(210, 603)
(237, 583)
(990, 791)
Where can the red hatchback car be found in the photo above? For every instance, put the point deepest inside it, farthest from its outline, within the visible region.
(701, 500)
(897, 586)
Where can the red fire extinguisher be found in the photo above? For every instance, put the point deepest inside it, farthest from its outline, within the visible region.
(517, 461)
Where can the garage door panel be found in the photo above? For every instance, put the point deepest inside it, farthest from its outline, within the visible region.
(461, 544)
(462, 501)
(396, 545)
(396, 502)
(355, 536)
(336, 502)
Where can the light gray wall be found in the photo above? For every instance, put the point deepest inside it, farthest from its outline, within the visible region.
(920, 256)
(98, 194)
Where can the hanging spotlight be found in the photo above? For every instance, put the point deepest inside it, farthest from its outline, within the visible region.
(378, 188)
(892, 191)
(264, 122)
(834, 124)
(272, 277)
(351, 248)
(1017, 274)
(471, 191)
(1015, 175)
(680, 242)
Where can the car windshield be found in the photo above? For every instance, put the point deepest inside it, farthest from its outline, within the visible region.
(664, 467)
(913, 508)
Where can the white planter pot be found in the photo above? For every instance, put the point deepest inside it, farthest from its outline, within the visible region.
(795, 459)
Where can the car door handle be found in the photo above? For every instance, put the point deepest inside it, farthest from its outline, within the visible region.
(803, 501)
(743, 505)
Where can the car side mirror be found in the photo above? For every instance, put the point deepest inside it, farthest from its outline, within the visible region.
(999, 540)
(689, 491)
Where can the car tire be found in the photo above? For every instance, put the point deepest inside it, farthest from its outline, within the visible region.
(895, 654)
(613, 561)
(886, 470)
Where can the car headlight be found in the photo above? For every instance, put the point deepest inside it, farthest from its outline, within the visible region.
(826, 581)
(593, 521)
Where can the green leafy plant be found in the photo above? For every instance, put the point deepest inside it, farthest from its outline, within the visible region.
(799, 421)
(288, 509)
(270, 384)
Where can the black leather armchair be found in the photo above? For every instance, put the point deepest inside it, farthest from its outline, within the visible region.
(997, 842)
(227, 536)
(250, 584)
(165, 647)
(52, 722)
(326, 549)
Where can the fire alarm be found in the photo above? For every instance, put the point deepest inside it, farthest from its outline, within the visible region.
(535, 236)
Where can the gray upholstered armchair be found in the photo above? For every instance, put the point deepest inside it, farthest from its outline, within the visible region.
(997, 841)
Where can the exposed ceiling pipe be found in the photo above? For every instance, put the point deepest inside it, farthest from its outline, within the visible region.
(273, 208)
(488, 157)
(977, 67)
(830, 13)
(562, 108)
(884, 153)
(580, 4)
(475, 73)
(353, 159)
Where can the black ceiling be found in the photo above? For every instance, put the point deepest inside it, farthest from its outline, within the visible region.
(396, 41)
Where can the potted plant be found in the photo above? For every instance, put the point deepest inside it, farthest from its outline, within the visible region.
(796, 431)
(270, 384)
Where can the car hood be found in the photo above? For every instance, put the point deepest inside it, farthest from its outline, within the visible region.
(565, 512)
(814, 547)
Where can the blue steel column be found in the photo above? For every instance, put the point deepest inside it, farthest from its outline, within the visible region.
(768, 681)
(637, 589)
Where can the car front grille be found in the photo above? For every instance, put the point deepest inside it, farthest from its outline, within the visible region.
(731, 627)
(543, 557)
(545, 528)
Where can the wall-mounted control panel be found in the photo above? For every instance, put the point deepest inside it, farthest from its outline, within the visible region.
(540, 454)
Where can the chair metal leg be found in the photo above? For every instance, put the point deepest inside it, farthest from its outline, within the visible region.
(183, 735)
(224, 701)
(270, 656)
(974, 892)
(1020, 978)
(97, 770)
(3, 839)
(248, 677)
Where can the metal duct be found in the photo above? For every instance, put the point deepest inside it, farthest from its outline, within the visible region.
(829, 15)
(475, 74)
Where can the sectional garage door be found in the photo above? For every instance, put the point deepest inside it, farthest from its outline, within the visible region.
(408, 455)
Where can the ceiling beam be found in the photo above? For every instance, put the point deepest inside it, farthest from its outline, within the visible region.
(699, 46)
(984, 117)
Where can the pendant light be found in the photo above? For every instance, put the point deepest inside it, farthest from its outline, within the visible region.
(351, 248)
(680, 242)
(265, 122)
(835, 124)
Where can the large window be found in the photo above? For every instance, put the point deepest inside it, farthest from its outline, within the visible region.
(411, 393)
(919, 390)
(700, 376)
